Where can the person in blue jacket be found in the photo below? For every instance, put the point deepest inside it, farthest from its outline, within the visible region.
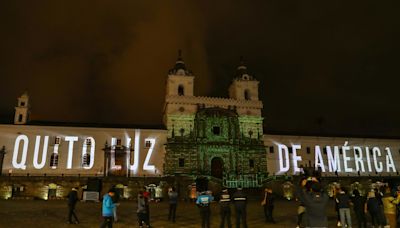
(108, 209)
(203, 202)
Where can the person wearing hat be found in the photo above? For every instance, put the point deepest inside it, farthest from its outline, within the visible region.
(225, 206)
(72, 199)
(108, 209)
(240, 202)
(203, 202)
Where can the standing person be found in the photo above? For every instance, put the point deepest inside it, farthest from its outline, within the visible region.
(301, 209)
(343, 201)
(115, 200)
(107, 210)
(225, 208)
(141, 211)
(315, 202)
(268, 203)
(335, 194)
(72, 199)
(375, 210)
(389, 207)
(146, 195)
(359, 205)
(240, 202)
(203, 202)
(173, 201)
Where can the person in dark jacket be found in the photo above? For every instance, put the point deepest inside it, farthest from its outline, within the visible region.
(315, 202)
(72, 199)
(146, 195)
(240, 202)
(301, 209)
(141, 211)
(359, 205)
(268, 205)
(343, 203)
(375, 210)
(173, 201)
(115, 200)
(225, 208)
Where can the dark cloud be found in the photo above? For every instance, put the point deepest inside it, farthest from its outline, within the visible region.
(324, 67)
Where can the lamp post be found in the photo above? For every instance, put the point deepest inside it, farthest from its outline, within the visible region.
(106, 152)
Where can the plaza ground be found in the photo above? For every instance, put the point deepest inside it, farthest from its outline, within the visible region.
(49, 214)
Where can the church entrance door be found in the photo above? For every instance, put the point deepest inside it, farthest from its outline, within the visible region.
(217, 167)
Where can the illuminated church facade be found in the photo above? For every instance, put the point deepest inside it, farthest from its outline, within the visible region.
(217, 137)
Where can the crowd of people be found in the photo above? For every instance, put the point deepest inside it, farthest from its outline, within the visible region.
(380, 207)
(381, 204)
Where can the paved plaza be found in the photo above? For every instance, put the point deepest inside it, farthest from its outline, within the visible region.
(49, 214)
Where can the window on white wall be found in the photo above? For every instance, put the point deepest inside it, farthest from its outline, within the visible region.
(54, 160)
(147, 143)
(86, 160)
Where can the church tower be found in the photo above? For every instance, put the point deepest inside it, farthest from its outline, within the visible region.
(179, 112)
(180, 79)
(22, 109)
(244, 86)
(244, 89)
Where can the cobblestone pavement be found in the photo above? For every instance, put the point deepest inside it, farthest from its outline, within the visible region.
(49, 214)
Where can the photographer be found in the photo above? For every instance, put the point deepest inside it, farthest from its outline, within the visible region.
(173, 201)
(315, 202)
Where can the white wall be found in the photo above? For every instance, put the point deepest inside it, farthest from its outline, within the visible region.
(312, 141)
(9, 133)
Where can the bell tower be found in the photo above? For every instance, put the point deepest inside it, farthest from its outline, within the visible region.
(244, 86)
(180, 79)
(22, 110)
(179, 110)
(244, 89)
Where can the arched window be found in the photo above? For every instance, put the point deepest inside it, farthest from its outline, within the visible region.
(181, 90)
(247, 94)
(86, 160)
(54, 160)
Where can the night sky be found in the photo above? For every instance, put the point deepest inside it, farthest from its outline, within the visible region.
(325, 67)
